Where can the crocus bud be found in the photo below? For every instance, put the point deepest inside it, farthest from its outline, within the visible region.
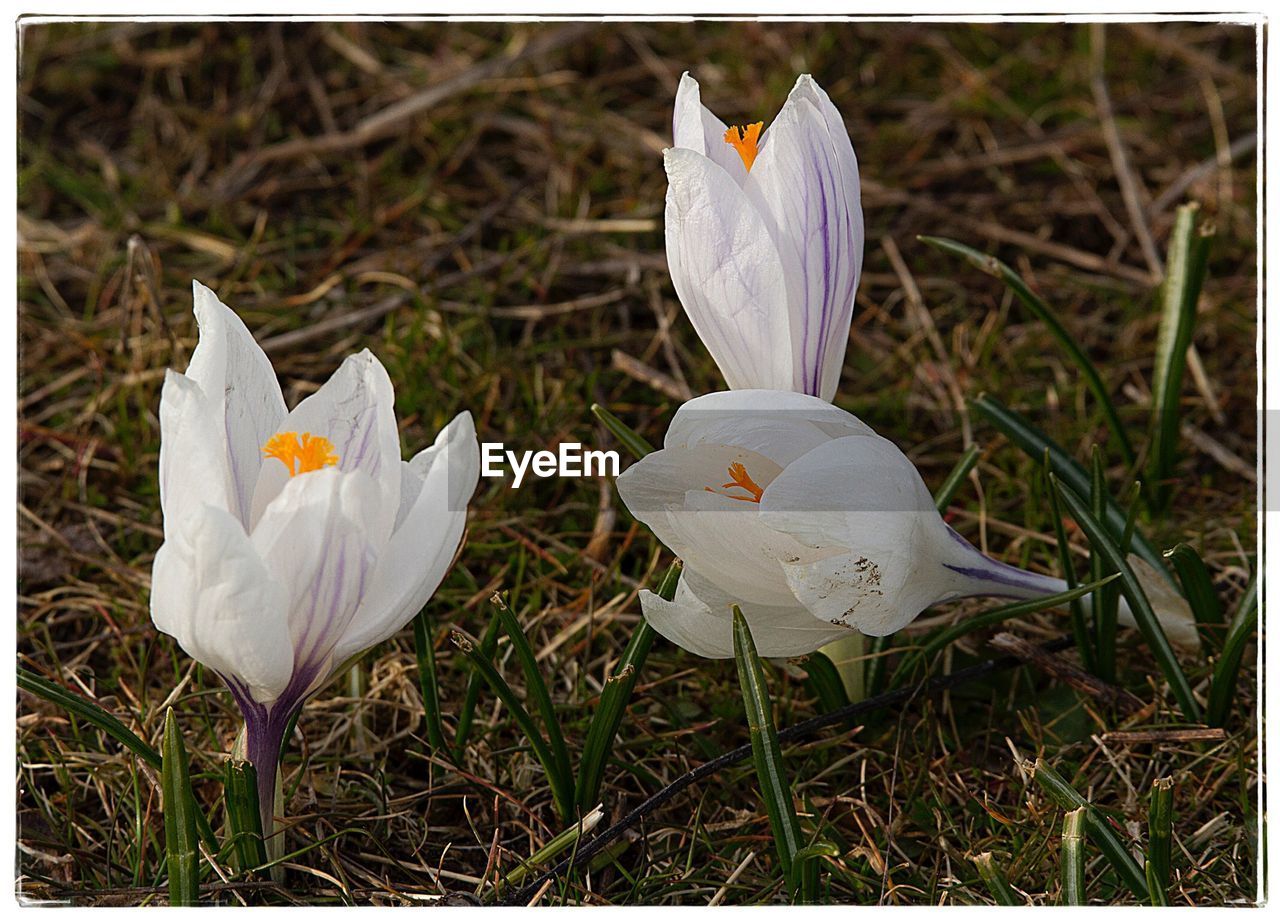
(765, 237)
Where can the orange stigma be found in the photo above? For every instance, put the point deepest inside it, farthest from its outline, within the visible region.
(746, 141)
(739, 478)
(303, 453)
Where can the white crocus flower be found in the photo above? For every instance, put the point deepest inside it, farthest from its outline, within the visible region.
(293, 540)
(811, 523)
(765, 237)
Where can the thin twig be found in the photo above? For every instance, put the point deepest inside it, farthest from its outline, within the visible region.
(1165, 736)
(1130, 184)
(651, 376)
(1175, 190)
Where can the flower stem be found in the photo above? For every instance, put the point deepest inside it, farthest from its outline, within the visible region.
(846, 654)
(263, 747)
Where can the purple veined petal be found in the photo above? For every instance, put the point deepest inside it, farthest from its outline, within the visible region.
(727, 273)
(849, 182)
(354, 410)
(812, 208)
(239, 382)
(316, 536)
(696, 128)
(426, 539)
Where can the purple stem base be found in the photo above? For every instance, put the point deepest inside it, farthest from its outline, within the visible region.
(265, 725)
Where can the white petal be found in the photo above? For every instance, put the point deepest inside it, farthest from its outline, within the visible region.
(718, 535)
(780, 425)
(211, 592)
(695, 128)
(826, 492)
(316, 539)
(804, 184)
(193, 459)
(355, 410)
(879, 587)
(700, 620)
(418, 556)
(727, 273)
(862, 497)
(238, 380)
(736, 551)
(457, 448)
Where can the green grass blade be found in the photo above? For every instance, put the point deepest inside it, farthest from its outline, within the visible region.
(240, 794)
(181, 841)
(1101, 541)
(1222, 690)
(1035, 443)
(537, 688)
(1160, 840)
(614, 698)
(824, 681)
(766, 753)
(808, 859)
(949, 634)
(1184, 277)
(561, 786)
(1096, 826)
(955, 479)
(1197, 587)
(1105, 603)
(636, 446)
(613, 702)
(488, 645)
(996, 883)
(562, 841)
(873, 677)
(91, 712)
(1042, 311)
(1073, 832)
(1079, 621)
(109, 725)
(424, 649)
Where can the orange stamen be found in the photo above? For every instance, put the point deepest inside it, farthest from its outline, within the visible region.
(746, 141)
(303, 453)
(739, 478)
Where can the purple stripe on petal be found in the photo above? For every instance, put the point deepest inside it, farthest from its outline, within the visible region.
(988, 573)
(1004, 576)
(332, 598)
(824, 247)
